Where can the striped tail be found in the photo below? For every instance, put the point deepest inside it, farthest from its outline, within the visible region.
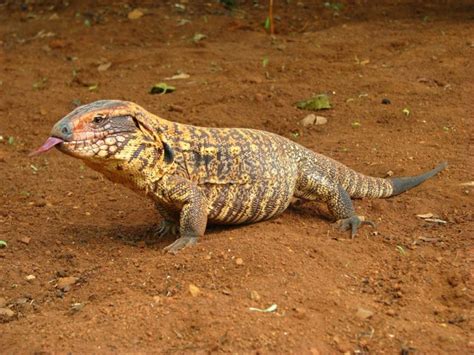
(402, 184)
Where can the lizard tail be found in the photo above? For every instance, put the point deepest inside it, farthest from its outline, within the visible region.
(402, 184)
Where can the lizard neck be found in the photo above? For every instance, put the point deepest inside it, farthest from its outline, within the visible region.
(138, 165)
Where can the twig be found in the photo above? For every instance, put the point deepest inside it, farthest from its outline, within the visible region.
(270, 16)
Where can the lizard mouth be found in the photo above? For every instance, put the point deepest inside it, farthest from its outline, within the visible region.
(86, 147)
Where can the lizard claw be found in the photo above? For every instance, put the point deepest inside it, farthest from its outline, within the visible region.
(353, 223)
(179, 244)
(165, 228)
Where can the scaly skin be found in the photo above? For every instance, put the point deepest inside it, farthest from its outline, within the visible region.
(198, 175)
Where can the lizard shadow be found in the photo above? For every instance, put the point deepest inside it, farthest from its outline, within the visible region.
(146, 234)
(137, 235)
(310, 209)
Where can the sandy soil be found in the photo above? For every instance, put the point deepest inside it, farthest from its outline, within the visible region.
(97, 283)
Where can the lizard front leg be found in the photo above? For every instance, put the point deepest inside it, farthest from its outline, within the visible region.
(169, 224)
(175, 193)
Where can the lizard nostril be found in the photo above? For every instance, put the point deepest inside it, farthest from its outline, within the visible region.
(65, 130)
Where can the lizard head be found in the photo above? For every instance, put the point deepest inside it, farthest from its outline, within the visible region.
(109, 131)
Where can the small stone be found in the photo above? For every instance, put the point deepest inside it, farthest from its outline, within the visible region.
(391, 313)
(386, 102)
(104, 66)
(239, 261)
(342, 345)
(6, 313)
(312, 119)
(254, 296)
(320, 120)
(25, 240)
(39, 203)
(57, 43)
(300, 313)
(176, 108)
(308, 120)
(30, 277)
(21, 300)
(363, 313)
(157, 299)
(279, 103)
(65, 283)
(254, 80)
(259, 97)
(194, 290)
(135, 14)
(3, 302)
(76, 307)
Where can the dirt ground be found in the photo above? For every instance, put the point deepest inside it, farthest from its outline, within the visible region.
(79, 273)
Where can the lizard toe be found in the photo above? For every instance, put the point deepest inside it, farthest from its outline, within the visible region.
(353, 223)
(179, 244)
(165, 228)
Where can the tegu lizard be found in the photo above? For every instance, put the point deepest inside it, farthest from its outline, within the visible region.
(198, 175)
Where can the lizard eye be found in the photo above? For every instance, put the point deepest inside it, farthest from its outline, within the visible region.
(98, 119)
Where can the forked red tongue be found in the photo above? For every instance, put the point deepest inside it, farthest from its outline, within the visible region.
(49, 144)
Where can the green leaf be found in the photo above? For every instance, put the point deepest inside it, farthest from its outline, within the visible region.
(267, 23)
(11, 140)
(265, 61)
(3, 244)
(162, 88)
(318, 102)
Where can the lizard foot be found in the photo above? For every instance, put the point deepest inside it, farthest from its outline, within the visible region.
(165, 228)
(180, 243)
(353, 223)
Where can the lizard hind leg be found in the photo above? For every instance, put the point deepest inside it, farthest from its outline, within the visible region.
(316, 188)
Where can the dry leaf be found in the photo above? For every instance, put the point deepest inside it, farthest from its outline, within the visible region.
(425, 215)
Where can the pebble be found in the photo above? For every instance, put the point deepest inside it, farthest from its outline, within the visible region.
(194, 290)
(312, 119)
(254, 295)
(39, 203)
(342, 345)
(259, 97)
(391, 313)
(65, 283)
(135, 14)
(25, 240)
(363, 313)
(386, 102)
(176, 108)
(76, 307)
(3, 302)
(239, 261)
(6, 313)
(30, 277)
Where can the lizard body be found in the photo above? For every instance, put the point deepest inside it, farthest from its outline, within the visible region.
(200, 175)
